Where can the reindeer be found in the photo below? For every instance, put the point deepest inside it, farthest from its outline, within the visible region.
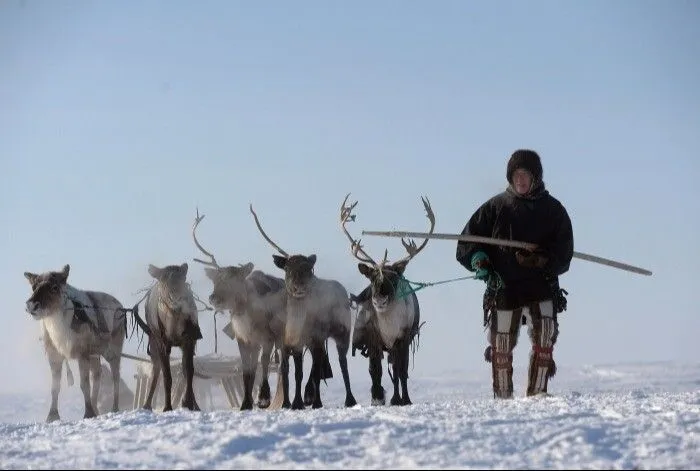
(171, 321)
(317, 309)
(77, 324)
(255, 301)
(389, 317)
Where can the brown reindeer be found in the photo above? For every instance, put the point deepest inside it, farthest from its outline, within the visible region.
(317, 309)
(256, 302)
(389, 316)
(77, 324)
(171, 321)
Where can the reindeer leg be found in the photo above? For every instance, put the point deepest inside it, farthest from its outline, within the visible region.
(284, 371)
(249, 366)
(375, 372)
(56, 365)
(403, 372)
(96, 374)
(310, 389)
(396, 398)
(167, 378)
(188, 370)
(155, 374)
(318, 353)
(343, 346)
(298, 402)
(264, 395)
(84, 368)
(115, 367)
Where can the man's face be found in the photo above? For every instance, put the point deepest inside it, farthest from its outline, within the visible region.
(522, 181)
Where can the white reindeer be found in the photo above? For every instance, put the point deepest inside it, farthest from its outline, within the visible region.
(77, 324)
(317, 309)
(389, 318)
(256, 302)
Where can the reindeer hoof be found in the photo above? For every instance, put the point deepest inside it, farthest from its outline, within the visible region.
(147, 407)
(406, 401)
(298, 404)
(286, 405)
(264, 403)
(53, 416)
(309, 394)
(396, 401)
(247, 405)
(168, 408)
(89, 413)
(350, 401)
(378, 396)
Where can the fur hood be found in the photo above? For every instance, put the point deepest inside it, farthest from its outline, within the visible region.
(527, 159)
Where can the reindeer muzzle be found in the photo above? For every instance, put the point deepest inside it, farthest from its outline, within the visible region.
(31, 307)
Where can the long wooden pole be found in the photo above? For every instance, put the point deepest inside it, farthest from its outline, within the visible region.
(507, 243)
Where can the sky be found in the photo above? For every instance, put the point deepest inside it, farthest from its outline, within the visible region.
(118, 122)
(607, 416)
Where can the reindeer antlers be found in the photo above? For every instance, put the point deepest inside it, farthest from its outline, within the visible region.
(257, 223)
(410, 246)
(213, 262)
(345, 216)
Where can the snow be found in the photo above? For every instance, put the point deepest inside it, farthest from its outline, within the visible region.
(615, 416)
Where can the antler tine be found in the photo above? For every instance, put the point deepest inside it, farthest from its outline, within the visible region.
(213, 262)
(410, 246)
(257, 223)
(355, 246)
(385, 258)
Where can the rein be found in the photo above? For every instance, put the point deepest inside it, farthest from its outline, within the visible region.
(404, 287)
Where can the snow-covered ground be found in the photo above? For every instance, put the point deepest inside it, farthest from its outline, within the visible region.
(617, 416)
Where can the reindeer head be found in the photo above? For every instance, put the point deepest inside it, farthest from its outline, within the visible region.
(298, 269)
(229, 282)
(384, 281)
(47, 292)
(298, 273)
(384, 277)
(173, 288)
(229, 285)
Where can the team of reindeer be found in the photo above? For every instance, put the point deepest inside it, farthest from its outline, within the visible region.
(291, 314)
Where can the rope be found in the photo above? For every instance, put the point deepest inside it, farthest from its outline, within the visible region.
(404, 287)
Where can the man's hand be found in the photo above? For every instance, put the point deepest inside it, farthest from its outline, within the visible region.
(536, 259)
(482, 265)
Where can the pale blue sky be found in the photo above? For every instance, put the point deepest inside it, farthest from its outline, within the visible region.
(118, 119)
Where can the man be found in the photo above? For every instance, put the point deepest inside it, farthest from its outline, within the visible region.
(521, 285)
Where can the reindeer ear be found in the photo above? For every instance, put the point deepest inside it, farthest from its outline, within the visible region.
(312, 259)
(31, 277)
(365, 270)
(211, 273)
(400, 267)
(154, 271)
(280, 261)
(183, 268)
(246, 269)
(64, 274)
